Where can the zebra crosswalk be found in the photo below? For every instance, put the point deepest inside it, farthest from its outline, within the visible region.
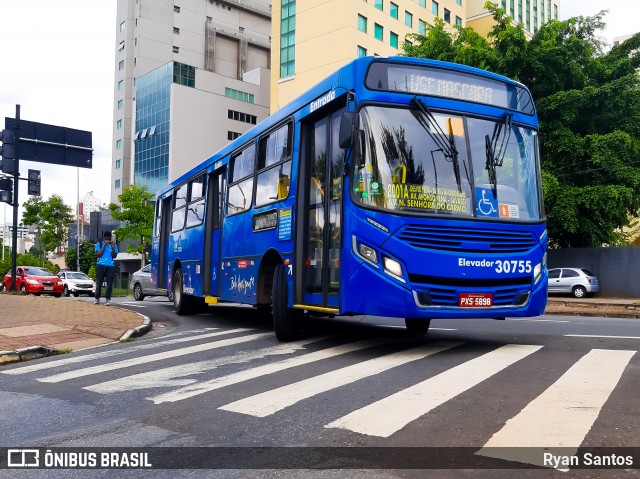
(560, 416)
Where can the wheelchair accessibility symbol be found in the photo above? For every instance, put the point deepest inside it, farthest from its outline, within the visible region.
(486, 204)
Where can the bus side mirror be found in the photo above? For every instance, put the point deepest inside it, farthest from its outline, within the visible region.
(348, 130)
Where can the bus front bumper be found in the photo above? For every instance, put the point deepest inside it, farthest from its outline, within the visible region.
(393, 299)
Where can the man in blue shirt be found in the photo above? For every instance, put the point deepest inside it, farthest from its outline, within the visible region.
(106, 251)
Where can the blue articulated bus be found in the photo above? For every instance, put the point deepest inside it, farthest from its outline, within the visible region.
(396, 187)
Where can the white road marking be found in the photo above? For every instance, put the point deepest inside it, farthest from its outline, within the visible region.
(183, 374)
(389, 415)
(599, 336)
(217, 383)
(133, 305)
(540, 320)
(269, 402)
(564, 413)
(150, 344)
(77, 373)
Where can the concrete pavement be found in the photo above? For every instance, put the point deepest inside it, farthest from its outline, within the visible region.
(32, 326)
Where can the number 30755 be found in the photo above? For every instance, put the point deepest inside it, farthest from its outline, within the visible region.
(513, 266)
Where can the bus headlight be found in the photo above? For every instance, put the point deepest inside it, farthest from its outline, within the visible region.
(536, 272)
(368, 253)
(392, 266)
(538, 269)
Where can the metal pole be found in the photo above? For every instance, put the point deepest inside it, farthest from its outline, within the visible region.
(16, 176)
(4, 226)
(78, 224)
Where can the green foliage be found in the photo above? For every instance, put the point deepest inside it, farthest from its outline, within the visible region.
(92, 272)
(588, 105)
(26, 260)
(51, 217)
(135, 209)
(87, 258)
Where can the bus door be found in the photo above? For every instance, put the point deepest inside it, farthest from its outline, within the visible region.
(164, 230)
(323, 217)
(213, 232)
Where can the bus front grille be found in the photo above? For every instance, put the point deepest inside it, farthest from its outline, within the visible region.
(437, 295)
(469, 240)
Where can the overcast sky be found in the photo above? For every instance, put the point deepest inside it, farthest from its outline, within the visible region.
(57, 62)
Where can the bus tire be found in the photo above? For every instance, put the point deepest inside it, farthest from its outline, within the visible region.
(182, 303)
(417, 325)
(284, 318)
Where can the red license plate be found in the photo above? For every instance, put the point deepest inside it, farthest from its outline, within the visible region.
(475, 300)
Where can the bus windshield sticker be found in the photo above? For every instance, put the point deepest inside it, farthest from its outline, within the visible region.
(486, 204)
(426, 198)
(284, 224)
(509, 211)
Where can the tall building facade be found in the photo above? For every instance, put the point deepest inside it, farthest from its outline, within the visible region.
(313, 38)
(190, 75)
(316, 37)
(532, 14)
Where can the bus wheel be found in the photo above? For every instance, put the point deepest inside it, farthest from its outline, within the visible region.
(284, 318)
(417, 325)
(181, 303)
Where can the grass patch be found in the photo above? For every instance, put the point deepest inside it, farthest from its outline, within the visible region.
(62, 351)
(128, 340)
(119, 293)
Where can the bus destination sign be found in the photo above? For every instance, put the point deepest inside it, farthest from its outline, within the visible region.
(447, 84)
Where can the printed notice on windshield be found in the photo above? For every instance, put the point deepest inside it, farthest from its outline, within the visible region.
(427, 198)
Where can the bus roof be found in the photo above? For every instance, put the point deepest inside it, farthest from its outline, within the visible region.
(340, 78)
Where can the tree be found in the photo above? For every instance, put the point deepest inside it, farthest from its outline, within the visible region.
(588, 104)
(87, 256)
(136, 212)
(51, 217)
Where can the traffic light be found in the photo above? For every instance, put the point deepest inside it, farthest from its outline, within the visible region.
(6, 190)
(33, 186)
(8, 151)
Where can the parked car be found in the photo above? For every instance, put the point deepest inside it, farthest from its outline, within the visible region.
(579, 282)
(77, 283)
(32, 279)
(142, 286)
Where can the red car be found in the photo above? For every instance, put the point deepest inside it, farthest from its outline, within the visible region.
(32, 279)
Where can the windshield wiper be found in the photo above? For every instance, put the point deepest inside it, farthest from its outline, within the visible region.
(448, 148)
(495, 153)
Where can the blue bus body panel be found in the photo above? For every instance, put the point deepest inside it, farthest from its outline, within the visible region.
(433, 278)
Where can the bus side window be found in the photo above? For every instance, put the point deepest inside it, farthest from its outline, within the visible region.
(195, 212)
(158, 216)
(240, 193)
(179, 208)
(274, 166)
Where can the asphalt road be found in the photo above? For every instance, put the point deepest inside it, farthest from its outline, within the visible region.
(222, 379)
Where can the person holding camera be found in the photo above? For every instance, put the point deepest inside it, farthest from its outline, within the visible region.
(106, 251)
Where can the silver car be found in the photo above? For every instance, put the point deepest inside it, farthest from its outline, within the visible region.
(579, 282)
(142, 285)
(77, 283)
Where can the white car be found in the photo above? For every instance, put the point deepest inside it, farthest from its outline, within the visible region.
(77, 283)
(579, 282)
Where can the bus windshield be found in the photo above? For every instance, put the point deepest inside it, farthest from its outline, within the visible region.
(418, 161)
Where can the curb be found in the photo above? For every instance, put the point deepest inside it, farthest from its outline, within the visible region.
(24, 354)
(140, 330)
(36, 352)
(595, 314)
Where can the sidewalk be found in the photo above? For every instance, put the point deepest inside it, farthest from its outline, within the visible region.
(35, 326)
